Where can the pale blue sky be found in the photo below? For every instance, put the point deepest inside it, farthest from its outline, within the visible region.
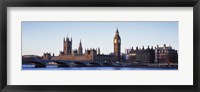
(40, 37)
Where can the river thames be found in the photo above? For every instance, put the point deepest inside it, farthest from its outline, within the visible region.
(31, 67)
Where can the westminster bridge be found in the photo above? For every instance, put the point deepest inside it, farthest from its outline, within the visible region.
(65, 63)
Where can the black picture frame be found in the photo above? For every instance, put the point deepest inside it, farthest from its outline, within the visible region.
(98, 3)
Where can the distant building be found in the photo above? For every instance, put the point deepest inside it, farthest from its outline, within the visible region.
(141, 55)
(158, 55)
(165, 54)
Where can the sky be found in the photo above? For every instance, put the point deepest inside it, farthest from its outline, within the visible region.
(39, 37)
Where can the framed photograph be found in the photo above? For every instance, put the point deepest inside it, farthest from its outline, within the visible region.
(131, 45)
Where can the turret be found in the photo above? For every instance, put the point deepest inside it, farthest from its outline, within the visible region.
(80, 49)
(53, 55)
(151, 47)
(67, 39)
(137, 48)
(64, 46)
(142, 47)
(67, 46)
(99, 51)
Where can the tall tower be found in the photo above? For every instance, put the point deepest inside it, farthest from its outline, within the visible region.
(80, 49)
(117, 46)
(67, 46)
(98, 51)
(64, 46)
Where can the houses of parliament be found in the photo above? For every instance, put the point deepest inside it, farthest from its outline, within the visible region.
(89, 55)
(158, 54)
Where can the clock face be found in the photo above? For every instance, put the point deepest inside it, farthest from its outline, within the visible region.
(115, 41)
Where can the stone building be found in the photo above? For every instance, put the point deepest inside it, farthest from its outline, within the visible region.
(165, 54)
(141, 55)
(46, 56)
(67, 48)
(90, 54)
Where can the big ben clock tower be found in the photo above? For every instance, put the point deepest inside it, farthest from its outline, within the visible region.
(117, 46)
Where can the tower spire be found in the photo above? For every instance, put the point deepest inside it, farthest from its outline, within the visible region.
(67, 39)
(117, 30)
(80, 48)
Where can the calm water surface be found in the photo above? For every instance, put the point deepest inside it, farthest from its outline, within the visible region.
(31, 67)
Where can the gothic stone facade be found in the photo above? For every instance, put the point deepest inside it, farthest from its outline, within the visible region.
(90, 54)
(166, 54)
(163, 54)
(142, 55)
